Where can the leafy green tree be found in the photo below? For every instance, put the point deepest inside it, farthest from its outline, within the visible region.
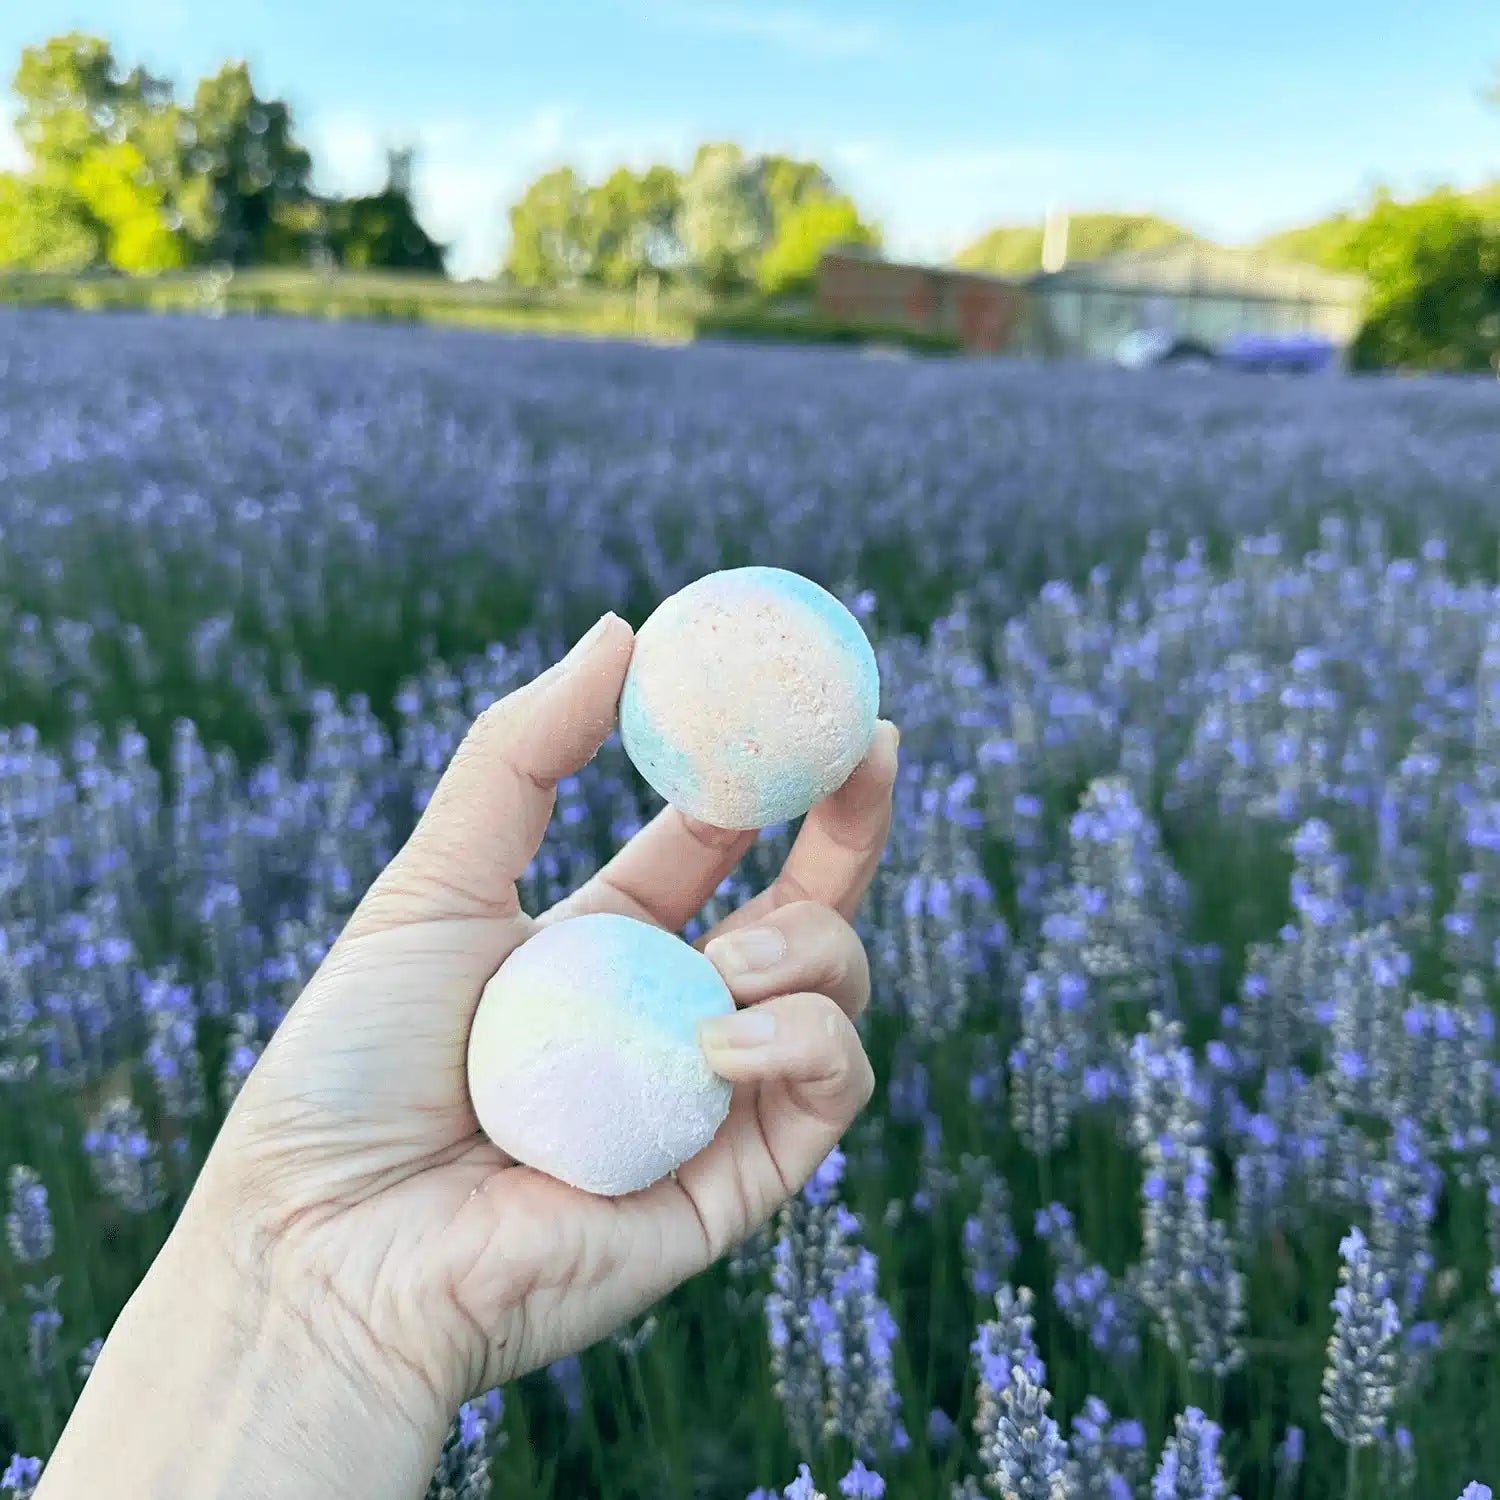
(1334, 242)
(629, 226)
(725, 220)
(43, 228)
(106, 161)
(382, 231)
(549, 235)
(253, 174)
(1434, 273)
(803, 235)
(1016, 250)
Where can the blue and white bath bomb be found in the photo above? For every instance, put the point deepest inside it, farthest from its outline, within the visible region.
(751, 694)
(584, 1059)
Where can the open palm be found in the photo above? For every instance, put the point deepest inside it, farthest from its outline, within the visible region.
(350, 1176)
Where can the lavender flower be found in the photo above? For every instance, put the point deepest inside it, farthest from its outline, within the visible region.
(989, 1241)
(861, 1483)
(1290, 1452)
(463, 1468)
(1025, 1458)
(87, 1357)
(1359, 1380)
(1190, 1467)
(125, 1160)
(28, 1224)
(21, 1477)
(1403, 1201)
(802, 1487)
(42, 1327)
(1100, 1465)
(1106, 1310)
(832, 1336)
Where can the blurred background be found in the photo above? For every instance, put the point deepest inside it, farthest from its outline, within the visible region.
(1307, 183)
(1128, 371)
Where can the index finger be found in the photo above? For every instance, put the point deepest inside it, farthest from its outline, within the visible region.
(488, 813)
(839, 844)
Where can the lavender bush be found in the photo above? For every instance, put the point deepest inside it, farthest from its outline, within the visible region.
(1184, 949)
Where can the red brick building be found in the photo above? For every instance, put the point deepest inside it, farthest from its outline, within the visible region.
(982, 312)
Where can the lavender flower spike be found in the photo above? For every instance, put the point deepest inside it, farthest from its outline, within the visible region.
(1359, 1382)
(1191, 1468)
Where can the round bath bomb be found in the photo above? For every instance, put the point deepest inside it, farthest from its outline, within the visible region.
(751, 694)
(584, 1060)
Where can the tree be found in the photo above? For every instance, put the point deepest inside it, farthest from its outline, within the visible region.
(629, 226)
(382, 231)
(254, 175)
(549, 232)
(725, 219)
(804, 234)
(106, 163)
(1017, 249)
(1434, 273)
(118, 192)
(43, 228)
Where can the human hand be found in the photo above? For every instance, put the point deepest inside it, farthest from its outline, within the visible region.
(350, 1191)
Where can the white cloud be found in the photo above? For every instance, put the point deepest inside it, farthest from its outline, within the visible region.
(794, 28)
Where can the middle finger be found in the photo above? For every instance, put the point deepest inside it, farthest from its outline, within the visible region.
(799, 947)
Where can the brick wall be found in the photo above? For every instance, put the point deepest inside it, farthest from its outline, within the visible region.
(982, 311)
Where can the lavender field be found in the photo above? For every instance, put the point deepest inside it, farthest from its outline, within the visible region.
(1182, 1177)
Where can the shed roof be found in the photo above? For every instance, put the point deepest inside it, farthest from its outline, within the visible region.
(1191, 266)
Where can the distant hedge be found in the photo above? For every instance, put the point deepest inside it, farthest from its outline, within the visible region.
(759, 325)
(392, 297)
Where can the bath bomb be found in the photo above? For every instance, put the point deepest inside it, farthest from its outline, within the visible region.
(584, 1060)
(751, 694)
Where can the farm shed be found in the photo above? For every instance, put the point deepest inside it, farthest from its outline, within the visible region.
(1206, 293)
(982, 312)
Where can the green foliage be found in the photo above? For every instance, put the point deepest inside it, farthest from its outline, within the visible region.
(389, 296)
(630, 225)
(1331, 242)
(123, 176)
(732, 222)
(1016, 250)
(726, 218)
(105, 155)
(243, 150)
(804, 232)
(381, 231)
(548, 232)
(43, 228)
(753, 323)
(1434, 273)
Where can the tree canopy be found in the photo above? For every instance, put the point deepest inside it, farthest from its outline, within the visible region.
(732, 221)
(123, 175)
(1016, 250)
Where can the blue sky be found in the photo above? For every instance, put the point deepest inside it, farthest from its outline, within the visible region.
(942, 116)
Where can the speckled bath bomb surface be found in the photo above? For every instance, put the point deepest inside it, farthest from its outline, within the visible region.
(751, 694)
(584, 1060)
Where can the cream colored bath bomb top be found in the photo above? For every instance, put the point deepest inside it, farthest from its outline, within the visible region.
(751, 694)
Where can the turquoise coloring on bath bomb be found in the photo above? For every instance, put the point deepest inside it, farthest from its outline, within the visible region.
(752, 693)
(584, 1060)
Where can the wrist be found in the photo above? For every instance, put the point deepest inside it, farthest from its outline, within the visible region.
(213, 1385)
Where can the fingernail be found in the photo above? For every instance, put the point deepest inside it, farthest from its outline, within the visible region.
(741, 1032)
(746, 952)
(895, 733)
(588, 640)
